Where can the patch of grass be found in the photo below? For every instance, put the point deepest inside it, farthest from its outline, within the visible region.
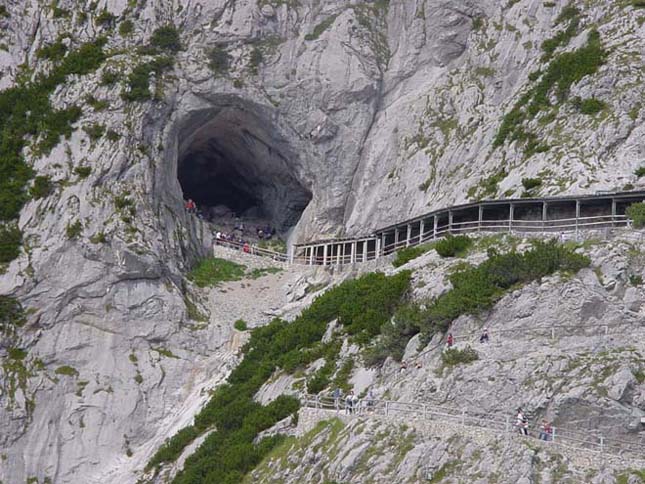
(259, 272)
(66, 370)
(126, 28)
(105, 19)
(165, 352)
(240, 325)
(98, 238)
(166, 38)
(94, 131)
(588, 106)
(109, 77)
(219, 60)
(83, 171)
(453, 246)
(636, 212)
(256, 58)
(454, 356)
(211, 271)
(138, 82)
(405, 255)
(321, 27)
(73, 230)
(10, 242)
(531, 183)
(112, 135)
(11, 314)
(52, 52)
(41, 187)
(193, 311)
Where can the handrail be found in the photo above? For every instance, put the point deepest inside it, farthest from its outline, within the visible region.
(366, 407)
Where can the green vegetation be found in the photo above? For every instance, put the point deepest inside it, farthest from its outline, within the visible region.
(3, 11)
(96, 104)
(474, 290)
(321, 27)
(10, 241)
(41, 188)
(453, 246)
(138, 82)
(219, 60)
(73, 230)
(454, 356)
(109, 77)
(112, 135)
(26, 111)
(105, 19)
(166, 38)
(83, 171)
(588, 106)
(240, 325)
(211, 271)
(66, 370)
(259, 272)
(636, 212)
(531, 183)
(636, 280)
(256, 58)
(488, 187)
(361, 307)
(570, 14)
(640, 171)
(405, 255)
(126, 28)
(11, 314)
(52, 52)
(563, 71)
(95, 131)
(98, 238)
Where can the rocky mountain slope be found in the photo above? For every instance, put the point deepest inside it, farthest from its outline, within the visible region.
(364, 112)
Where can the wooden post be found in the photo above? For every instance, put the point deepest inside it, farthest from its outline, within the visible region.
(434, 230)
(511, 213)
(408, 235)
(421, 229)
(544, 214)
(577, 216)
(380, 243)
(325, 247)
(481, 218)
(365, 244)
(352, 255)
(450, 221)
(396, 237)
(613, 212)
(339, 251)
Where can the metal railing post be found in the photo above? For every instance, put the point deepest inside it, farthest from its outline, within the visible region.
(553, 434)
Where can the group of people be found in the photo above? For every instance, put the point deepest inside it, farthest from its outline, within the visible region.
(522, 425)
(352, 402)
(483, 338)
(265, 233)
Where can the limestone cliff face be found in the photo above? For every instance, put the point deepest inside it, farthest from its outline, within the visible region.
(374, 111)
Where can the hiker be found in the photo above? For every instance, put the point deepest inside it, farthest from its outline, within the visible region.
(370, 400)
(545, 431)
(418, 365)
(355, 403)
(337, 395)
(404, 366)
(521, 422)
(190, 206)
(246, 247)
(259, 232)
(450, 341)
(484, 337)
(349, 400)
(218, 237)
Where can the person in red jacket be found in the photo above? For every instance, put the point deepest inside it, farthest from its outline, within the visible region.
(450, 340)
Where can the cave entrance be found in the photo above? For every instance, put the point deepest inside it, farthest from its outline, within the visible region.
(234, 163)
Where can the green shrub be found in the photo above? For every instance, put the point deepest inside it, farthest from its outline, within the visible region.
(109, 77)
(11, 314)
(638, 3)
(112, 135)
(321, 378)
(3, 11)
(166, 38)
(228, 453)
(105, 18)
(321, 27)
(405, 255)
(97, 105)
(95, 131)
(73, 230)
(98, 238)
(211, 271)
(17, 353)
(137, 86)
(588, 106)
(454, 356)
(53, 52)
(66, 370)
(240, 325)
(126, 28)
(531, 183)
(218, 60)
(83, 171)
(10, 242)
(636, 213)
(256, 58)
(635, 280)
(453, 246)
(640, 171)
(41, 188)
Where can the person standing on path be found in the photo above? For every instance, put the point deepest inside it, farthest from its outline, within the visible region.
(349, 400)
(450, 341)
(484, 337)
(337, 396)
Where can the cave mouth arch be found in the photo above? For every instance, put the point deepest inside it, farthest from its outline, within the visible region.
(233, 158)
